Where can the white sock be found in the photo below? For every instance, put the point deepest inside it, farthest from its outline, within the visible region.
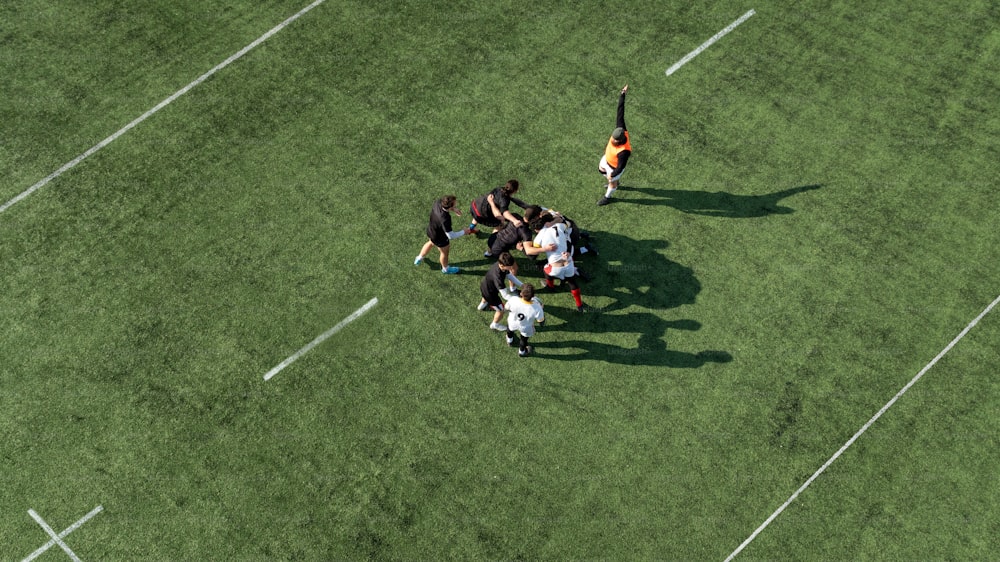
(609, 191)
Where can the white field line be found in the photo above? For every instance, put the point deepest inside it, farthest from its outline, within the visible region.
(158, 107)
(354, 316)
(708, 43)
(863, 429)
(57, 539)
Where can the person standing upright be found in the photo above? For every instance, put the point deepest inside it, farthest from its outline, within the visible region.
(522, 313)
(440, 234)
(616, 152)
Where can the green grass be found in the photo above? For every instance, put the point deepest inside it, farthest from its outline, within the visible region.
(807, 222)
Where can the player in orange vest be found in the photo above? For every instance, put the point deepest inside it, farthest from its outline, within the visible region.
(616, 153)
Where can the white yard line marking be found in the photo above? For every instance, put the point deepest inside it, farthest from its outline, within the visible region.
(354, 316)
(58, 539)
(158, 107)
(708, 43)
(863, 429)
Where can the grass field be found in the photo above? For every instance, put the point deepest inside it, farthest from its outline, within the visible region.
(807, 221)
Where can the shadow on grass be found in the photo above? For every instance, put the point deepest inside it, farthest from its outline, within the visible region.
(652, 349)
(713, 203)
(634, 274)
(481, 266)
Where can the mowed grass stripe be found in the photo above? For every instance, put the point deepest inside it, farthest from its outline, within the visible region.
(67, 166)
(863, 429)
(465, 451)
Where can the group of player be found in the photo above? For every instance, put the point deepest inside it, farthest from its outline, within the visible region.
(538, 233)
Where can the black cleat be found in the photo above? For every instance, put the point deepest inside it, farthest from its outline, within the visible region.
(525, 352)
(604, 201)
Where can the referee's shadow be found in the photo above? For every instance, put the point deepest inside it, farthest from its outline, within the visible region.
(635, 284)
(712, 203)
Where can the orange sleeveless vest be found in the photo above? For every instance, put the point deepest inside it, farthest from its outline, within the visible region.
(611, 151)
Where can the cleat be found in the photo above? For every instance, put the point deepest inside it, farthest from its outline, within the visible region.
(487, 255)
(510, 342)
(604, 201)
(450, 270)
(418, 260)
(498, 327)
(482, 305)
(525, 352)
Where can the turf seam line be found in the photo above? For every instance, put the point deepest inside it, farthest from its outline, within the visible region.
(863, 429)
(708, 43)
(57, 539)
(354, 316)
(65, 167)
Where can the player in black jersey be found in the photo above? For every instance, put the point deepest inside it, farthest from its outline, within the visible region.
(493, 287)
(509, 237)
(494, 207)
(440, 234)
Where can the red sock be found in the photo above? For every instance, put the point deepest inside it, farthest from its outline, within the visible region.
(549, 284)
(576, 296)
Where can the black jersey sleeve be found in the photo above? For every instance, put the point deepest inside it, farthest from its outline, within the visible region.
(622, 160)
(621, 112)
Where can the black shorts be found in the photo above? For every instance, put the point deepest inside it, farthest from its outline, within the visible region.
(485, 220)
(497, 247)
(439, 239)
(493, 301)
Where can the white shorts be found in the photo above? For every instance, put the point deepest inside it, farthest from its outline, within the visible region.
(605, 168)
(560, 271)
(527, 331)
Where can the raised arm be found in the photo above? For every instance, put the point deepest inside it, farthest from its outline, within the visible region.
(621, 109)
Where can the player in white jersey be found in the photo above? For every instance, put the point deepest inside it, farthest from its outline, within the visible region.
(559, 261)
(522, 313)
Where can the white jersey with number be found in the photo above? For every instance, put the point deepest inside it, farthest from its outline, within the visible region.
(560, 261)
(522, 315)
(556, 234)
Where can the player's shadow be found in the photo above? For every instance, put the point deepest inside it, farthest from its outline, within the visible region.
(652, 348)
(464, 266)
(714, 203)
(633, 274)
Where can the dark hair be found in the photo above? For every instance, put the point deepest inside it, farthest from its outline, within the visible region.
(532, 211)
(540, 220)
(510, 187)
(448, 201)
(505, 259)
(528, 291)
